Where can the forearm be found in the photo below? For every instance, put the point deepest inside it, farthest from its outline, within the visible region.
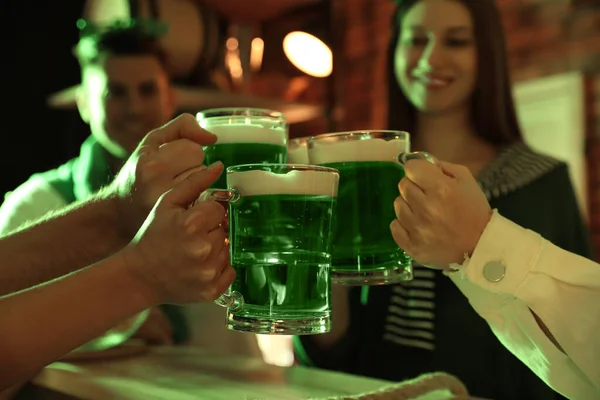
(63, 242)
(543, 307)
(39, 325)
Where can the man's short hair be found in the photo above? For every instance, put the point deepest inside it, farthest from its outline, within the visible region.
(117, 41)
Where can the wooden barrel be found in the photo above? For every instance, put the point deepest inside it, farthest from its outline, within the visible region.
(194, 40)
(194, 46)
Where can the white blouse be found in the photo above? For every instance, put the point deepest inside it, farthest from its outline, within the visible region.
(514, 271)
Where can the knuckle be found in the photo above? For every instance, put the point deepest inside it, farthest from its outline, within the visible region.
(409, 166)
(221, 240)
(397, 204)
(189, 149)
(193, 222)
(435, 214)
(223, 257)
(207, 274)
(403, 184)
(188, 118)
(209, 293)
(200, 250)
(228, 275)
(403, 211)
(213, 207)
(196, 151)
(148, 169)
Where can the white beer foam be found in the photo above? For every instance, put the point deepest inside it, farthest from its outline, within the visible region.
(255, 183)
(298, 155)
(326, 152)
(248, 133)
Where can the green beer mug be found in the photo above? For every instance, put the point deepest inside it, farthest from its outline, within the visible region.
(280, 220)
(297, 151)
(364, 252)
(244, 136)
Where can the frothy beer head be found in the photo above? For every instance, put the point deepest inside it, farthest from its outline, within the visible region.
(327, 149)
(298, 151)
(318, 181)
(247, 133)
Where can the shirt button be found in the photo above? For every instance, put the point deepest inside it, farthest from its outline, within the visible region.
(494, 271)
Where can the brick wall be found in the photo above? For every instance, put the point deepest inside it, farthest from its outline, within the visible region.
(544, 37)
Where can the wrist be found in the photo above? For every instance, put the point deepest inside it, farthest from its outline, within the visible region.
(136, 277)
(118, 215)
(477, 237)
(460, 265)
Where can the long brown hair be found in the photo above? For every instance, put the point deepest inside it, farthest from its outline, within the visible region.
(492, 108)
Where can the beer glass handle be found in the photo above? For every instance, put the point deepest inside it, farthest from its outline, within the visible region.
(416, 155)
(232, 300)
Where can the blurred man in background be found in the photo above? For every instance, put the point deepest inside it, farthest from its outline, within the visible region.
(125, 92)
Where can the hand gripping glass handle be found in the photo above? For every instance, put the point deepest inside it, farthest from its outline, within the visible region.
(232, 300)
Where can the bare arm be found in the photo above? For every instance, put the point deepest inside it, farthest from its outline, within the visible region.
(84, 233)
(42, 324)
(68, 240)
(178, 256)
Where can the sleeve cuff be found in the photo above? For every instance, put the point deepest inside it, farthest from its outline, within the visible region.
(503, 257)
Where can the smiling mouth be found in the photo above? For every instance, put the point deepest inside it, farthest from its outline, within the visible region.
(433, 82)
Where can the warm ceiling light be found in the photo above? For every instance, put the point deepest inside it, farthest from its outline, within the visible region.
(308, 53)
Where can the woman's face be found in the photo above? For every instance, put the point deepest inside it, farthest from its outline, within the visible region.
(436, 56)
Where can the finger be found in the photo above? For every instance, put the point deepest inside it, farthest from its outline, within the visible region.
(223, 280)
(184, 126)
(181, 155)
(217, 237)
(213, 267)
(214, 264)
(185, 174)
(211, 291)
(188, 190)
(398, 203)
(204, 216)
(400, 235)
(404, 213)
(424, 174)
(459, 172)
(411, 192)
(220, 250)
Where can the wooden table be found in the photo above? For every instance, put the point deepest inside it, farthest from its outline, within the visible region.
(187, 373)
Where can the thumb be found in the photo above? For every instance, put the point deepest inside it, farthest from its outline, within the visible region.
(188, 190)
(454, 170)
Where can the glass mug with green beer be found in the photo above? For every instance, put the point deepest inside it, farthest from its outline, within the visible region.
(280, 220)
(364, 252)
(297, 151)
(244, 136)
